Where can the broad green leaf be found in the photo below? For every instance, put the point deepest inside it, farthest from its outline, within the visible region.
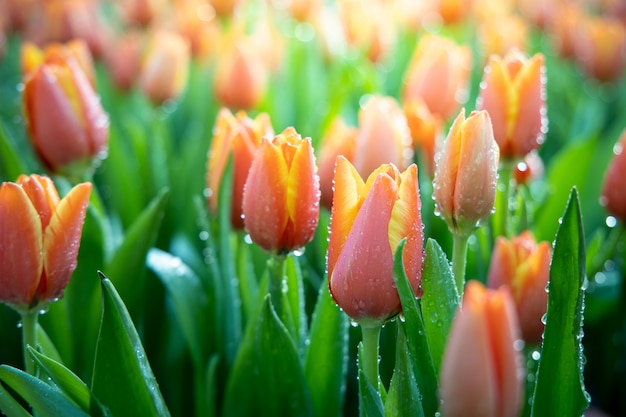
(75, 389)
(419, 351)
(440, 300)
(295, 297)
(206, 388)
(267, 378)
(9, 406)
(127, 267)
(370, 403)
(326, 361)
(403, 398)
(10, 164)
(560, 390)
(189, 300)
(122, 378)
(46, 400)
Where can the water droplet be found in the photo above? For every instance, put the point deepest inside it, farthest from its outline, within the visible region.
(544, 318)
(203, 235)
(19, 325)
(518, 345)
(618, 148)
(354, 323)
(247, 239)
(600, 278)
(207, 192)
(610, 221)
(536, 355)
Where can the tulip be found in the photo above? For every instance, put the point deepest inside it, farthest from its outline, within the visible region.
(196, 22)
(425, 130)
(39, 240)
(466, 173)
(142, 12)
(340, 139)
(240, 136)
(500, 35)
(383, 136)
(513, 92)
(564, 30)
(524, 266)
(32, 57)
(601, 48)
(368, 221)
(165, 67)
(438, 74)
(613, 196)
(224, 8)
(281, 197)
(453, 11)
(65, 120)
(123, 59)
(481, 371)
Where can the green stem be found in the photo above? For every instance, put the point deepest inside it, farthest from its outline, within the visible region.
(276, 270)
(503, 199)
(369, 358)
(459, 258)
(29, 338)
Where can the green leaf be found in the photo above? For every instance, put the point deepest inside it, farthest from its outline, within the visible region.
(295, 298)
(189, 300)
(370, 403)
(326, 361)
(419, 351)
(403, 398)
(73, 387)
(440, 300)
(10, 164)
(560, 390)
(46, 400)
(45, 344)
(122, 378)
(9, 406)
(267, 378)
(126, 268)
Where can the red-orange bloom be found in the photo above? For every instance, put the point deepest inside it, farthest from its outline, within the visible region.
(513, 92)
(369, 219)
(281, 197)
(240, 136)
(524, 266)
(614, 188)
(481, 372)
(39, 240)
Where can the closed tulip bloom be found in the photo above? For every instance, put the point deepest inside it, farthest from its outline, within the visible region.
(66, 123)
(165, 67)
(32, 57)
(240, 137)
(368, 221)
(39, 240)
(601, 48)
(340, 139)
(438, 74)
(466, 173)
(513, 92)
(481, 371)
(383, 137)
(281, 197)
(524, 266)
(613, 196)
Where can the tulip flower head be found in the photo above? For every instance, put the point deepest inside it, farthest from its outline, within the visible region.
(39, 240)
(613, 196)
(524, 266)
(466, 173)
(240, 137)
(481, 372)
(601, 48)
(425, 130)
(368, 221)
(281, 197)
(513, 92)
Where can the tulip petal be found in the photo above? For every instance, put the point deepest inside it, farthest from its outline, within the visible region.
(20, 245)
(529, 120)
(447, 166)
(62, 239)
(494, 97)
(43, 195)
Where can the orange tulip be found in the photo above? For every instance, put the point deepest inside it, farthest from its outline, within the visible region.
(123, 59)
(240, 136)
(524, 266)
(601, 48)
(65, 120)
(32, 57)
(165, 67)
(453, 11)
(513, 92)
(224, 8)
(425, 130)
(613, 196)
(142, 12)
(500, 35)
(196, 21)
(340, 139)
(438, 74)
(383, 136)
(281, 197)
(481, 372)
(466, 173)
(369, 219)
(39, 240)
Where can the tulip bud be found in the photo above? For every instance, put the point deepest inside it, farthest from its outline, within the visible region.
(481, 371)
(240, 136)
(613, 196)
(500, 35)
(65, 120)
(383, 136)
(368, 221)
(164, 69)
(513, 92)
(39, 240)
(524, 266)
(438, 74)
(123, 59)
(601, 48)
(281, 197)
(466, 173)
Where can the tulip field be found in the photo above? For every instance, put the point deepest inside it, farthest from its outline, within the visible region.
(373, 208)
